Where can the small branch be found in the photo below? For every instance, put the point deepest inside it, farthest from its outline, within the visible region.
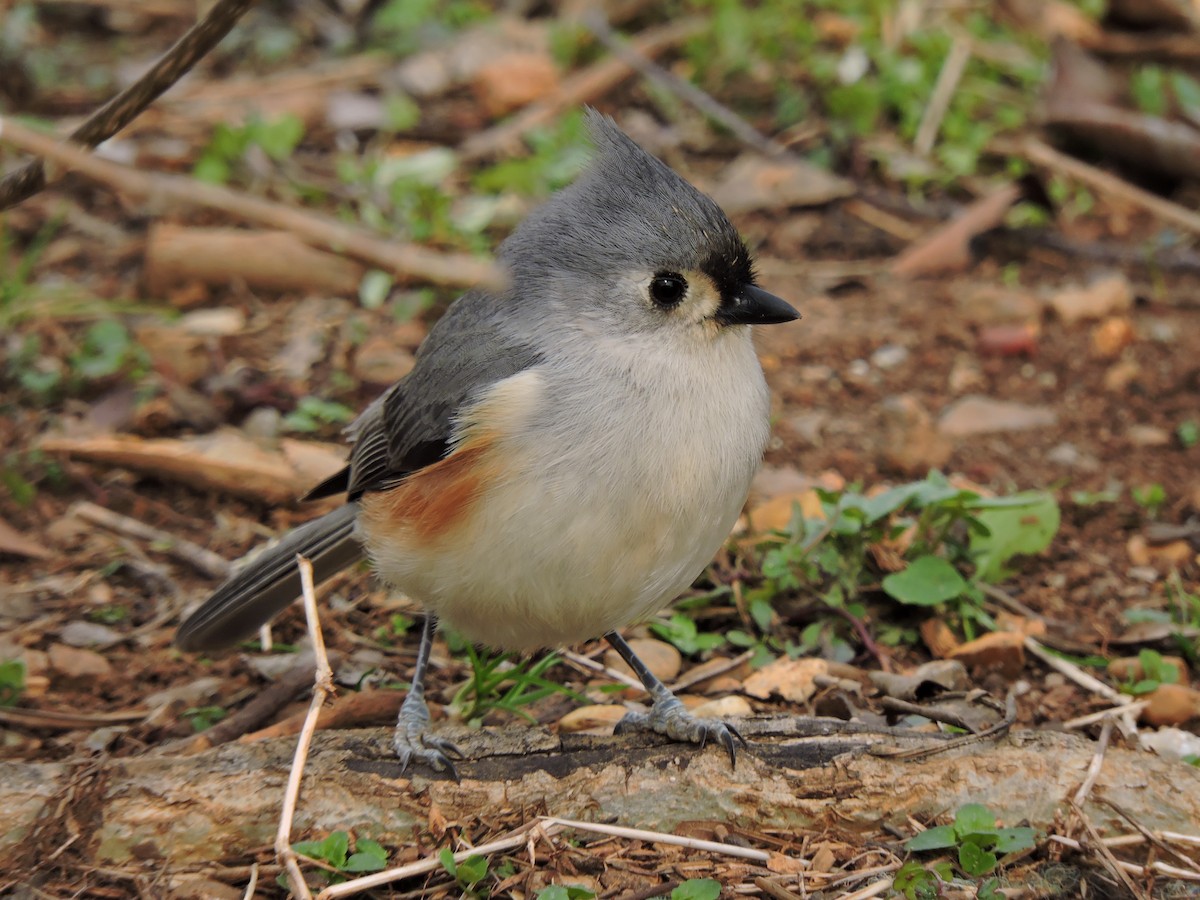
(1151, 837)
(1076, 674)
(518, 838)
(204, 561)
(1160, 868)
(1107, 858)
(127, 105)
(410, 260)
(943, 93)
(582, 87)
(1042, 154)
(1095, 765)
(718, 112)
(322, 688)
(264, 705)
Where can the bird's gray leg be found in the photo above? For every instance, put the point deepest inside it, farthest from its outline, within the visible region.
(410, 739)
(667, 716)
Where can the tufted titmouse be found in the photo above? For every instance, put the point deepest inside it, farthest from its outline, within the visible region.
(566, 455)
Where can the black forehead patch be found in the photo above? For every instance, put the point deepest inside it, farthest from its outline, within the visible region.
(729, 266)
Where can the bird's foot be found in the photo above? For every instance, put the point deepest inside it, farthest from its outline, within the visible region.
(669, 717)
(412, 740)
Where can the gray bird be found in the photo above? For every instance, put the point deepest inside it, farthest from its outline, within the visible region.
(567, 455)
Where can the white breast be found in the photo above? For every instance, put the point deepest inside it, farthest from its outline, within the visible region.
(623, 478)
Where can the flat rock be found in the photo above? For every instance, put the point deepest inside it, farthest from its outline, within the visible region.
(976, 414)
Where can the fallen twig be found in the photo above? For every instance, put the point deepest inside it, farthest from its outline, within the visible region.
(581, 87)
(407, 260)
(595, 22)
(204, 561)
(943, 93)
(322, 688)
(1160, 868)
(1042, 154)
(1151, 837)
(1095, 765)
(123, 108)
(1110, 862)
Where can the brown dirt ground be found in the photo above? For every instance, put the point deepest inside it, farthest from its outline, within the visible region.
(1083, 584)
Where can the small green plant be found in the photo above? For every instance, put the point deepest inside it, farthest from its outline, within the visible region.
(916, 882)
(277, 138)
(1148, 87)
(565, 892)
(204, 717)
(977, 839)
(681, 630)
(1155, 671)
(112, 614)
(558, 153)
(1188, 433)
(315, 413)
(502, 681)
(397, 629)
(467, 873)
(334, 851)
(697, 889)
(948, 531)
(1150, 497)
(12, 681)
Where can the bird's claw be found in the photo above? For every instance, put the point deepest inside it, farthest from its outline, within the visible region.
(670, 718)
(412, 742)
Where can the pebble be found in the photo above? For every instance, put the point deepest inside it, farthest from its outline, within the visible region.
(89, 634)
(889, 356)
(661, 658)
(1148, 436)
(75, 662)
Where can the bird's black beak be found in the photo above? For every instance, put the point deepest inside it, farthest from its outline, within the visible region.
(753, 306)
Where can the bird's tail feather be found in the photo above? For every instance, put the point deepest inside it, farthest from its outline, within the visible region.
(267, 581)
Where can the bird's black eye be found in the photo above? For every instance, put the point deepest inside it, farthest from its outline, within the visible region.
(667, 289)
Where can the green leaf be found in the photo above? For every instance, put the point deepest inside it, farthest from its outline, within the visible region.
(1010, 840)
(697, 889)
(565, 892)
(472, 870)
(331, 850)
(974, 818)
(1016, 530)
(937, 838)
(12, 681)
(974, 860)
(926, 582)
(369, 856)
(446, 857)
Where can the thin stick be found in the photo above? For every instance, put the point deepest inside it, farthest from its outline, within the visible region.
(127, 105)
(582, 662)
(409, 260)
(1043, 155)
(871, 890)
(1133, 868)
(1106, 856)
(1073, 672)
(432, 864)
(1093, 770)
(638, 834)
(1151, 836)
(1127, 709)
(252, 884)
(322, 688)
(695, 676)
(943, 93)
(584, 86)
(202, 560)
(718, 112)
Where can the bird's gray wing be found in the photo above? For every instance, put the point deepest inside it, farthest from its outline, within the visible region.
(410, 425)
